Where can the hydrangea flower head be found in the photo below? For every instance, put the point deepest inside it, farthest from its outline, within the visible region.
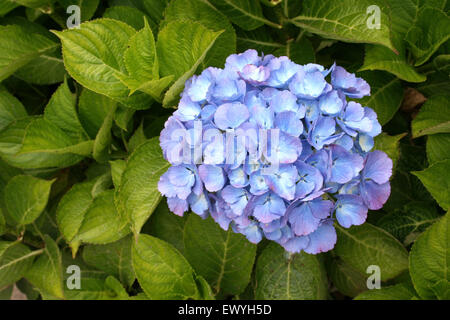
(273, 149)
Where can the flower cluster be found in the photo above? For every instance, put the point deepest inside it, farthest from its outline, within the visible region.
(273, 149)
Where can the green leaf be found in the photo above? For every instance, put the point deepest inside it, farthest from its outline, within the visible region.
(61, 111)
(6, 293)
(101, 222)
(44, 70)
(46, 273)
(103, 139)
(428, 261)
(43, 136)
(137, 138)
(436, 179)
(247, 14)
(259, 39)
(127, 14)
(386, 94)
(389, 145)
(224, 258)
(11, 139)
(76, 204)
(187, 43)
(424, 37)
(140, 57)
(299, 52)
(408, 222)
(38, 4)
(366, 245)
(382, 58)
(205, 292)
(10, 108)
(154, 9)
(162, 271)
(283, 276)
(19, 47)
(15, 260)
(401, 291)
(113, 258)
(93, 109)
(93, 57)
(143, 66)
(138, 195)
(7, 6)
(433, 117)
(438, 147)
(344, 21)
(87, 8)
(346, 279)
(117, 169)
(166, 226)
(2, 222)
(25, 198)
(202, 12)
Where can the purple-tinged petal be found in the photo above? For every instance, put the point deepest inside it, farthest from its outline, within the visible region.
(352, 86)
(374, 195)
(296, 244)
(310, 179)
(177, 206)
(377, 167)
(323, 239)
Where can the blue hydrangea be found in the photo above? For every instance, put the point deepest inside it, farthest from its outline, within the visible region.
(273, 149)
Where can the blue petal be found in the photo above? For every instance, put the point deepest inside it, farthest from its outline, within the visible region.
(262, 116)
(199, 204)
(308, 85)
(283, 181)
(212, 176)
(331, 103)
(258, 185)
(281, 71)
(286, 149)
(268, 207)
(237, 62)
(230, 115)
(345, 165)
(284, 101)
(350, 210)
(323, 128)
(289, 123)
(187, 109)
(238, 178)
